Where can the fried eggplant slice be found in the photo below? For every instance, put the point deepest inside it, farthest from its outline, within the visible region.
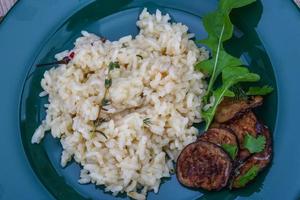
(203, 165)
(222, 137)
(230, 108)
(246, 124)
(248, 170)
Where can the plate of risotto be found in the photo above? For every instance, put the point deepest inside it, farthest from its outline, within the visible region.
(149, 100)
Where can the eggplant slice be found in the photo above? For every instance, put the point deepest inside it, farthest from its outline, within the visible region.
(230, 108)
(220, 137)
(256, 163)
(246, 124)
(203, 165)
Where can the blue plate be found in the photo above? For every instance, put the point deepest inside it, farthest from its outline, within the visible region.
(267, 38)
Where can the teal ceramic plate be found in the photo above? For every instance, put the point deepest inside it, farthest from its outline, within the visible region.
(267, 37)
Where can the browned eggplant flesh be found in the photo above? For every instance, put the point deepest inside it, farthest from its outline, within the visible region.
(242, 126)
(219, 136)
(248, 170)
(230, 108)
(222, 152)
(203, 165)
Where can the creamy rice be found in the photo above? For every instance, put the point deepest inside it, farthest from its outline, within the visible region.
(156, 81)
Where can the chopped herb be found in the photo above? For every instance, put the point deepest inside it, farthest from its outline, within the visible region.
(260, 90)
(107, 83)
(248, 176)
(113, 65)
(254, 145)
(102, 133)
(147, 121)
(124, 45)
(101, 120)
(231, 149)
(105, 102)
(141, 57)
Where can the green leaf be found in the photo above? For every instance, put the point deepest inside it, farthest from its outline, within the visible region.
(260, 90)
(204, 66)
(228, 5)
(219, 29)
(215, 22)
(113, 65)
(225, 60)
(219, 94)
(231, 149)
(229, 93)
(254, 145)
(248, 176)
(105, 102)
(231, 76)
(239, 93)
(238, 74)
(107, 83)
(211, 42)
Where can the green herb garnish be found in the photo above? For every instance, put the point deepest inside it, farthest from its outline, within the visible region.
(260, 90)
(231, 149)
(147, 121)
(248, 176)
(113, 65)
(230, 77)
(105, 102)
(220, 29)
(141, 57)
(254, 145)
(107, 83)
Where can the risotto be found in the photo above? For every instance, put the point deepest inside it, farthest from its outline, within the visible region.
(146, 108)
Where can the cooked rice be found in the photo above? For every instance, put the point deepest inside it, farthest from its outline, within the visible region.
(156, 80)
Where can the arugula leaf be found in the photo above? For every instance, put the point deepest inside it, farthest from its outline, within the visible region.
(229, 93)
(228, 5)
(216, 21)
(238, 74)
(254, 145)
(225, 60)
(231, 149)
(248, 176)
(219, 29)
(219, 26)
(239, 93)
(230, 76)
(260, 90)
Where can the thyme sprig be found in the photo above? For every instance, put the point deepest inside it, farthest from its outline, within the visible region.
(105, 101)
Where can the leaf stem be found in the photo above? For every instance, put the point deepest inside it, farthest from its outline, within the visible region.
(214, 108)
(212, 79)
